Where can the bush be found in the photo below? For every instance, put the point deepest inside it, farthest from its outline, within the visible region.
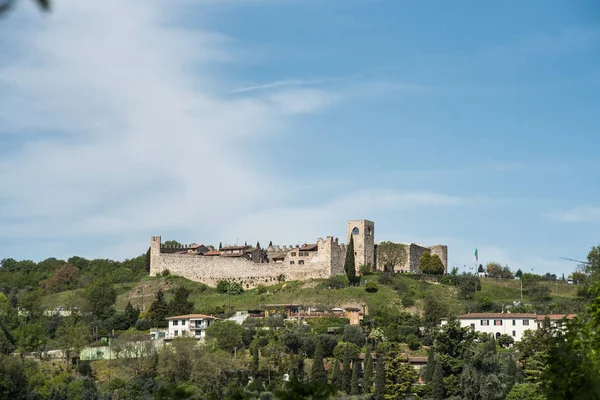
(401, 286)
(386, 278)
(408, 301)
(365, 269)
(142, 325)
(354, 334)
(372, 287)
(222, 286)
(505, 340)
(340, 350)
(413, 342)
(539, 292)
(337, 282)
(261, 289)
(166, 272)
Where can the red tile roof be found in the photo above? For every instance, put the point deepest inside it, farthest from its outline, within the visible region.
(556, 317)
(496, 315)
(212, 253)
(192, 316)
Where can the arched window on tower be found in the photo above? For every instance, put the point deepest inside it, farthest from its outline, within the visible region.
(355, 231)
(369, 232)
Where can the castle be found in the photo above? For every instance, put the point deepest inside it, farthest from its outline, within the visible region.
(251, 266)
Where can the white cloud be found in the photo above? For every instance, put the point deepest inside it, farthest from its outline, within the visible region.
(584, 213)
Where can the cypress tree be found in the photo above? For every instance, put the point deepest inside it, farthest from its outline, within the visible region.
(368, 375)
(147, 261)
(180, 304)
(354, 389)
(220, 245)
(430, 367)
(255, 359)
(158, 311)
(318, 372)
(336, 376)
(258, 245)
(349, 264)
(437, 383)
(347, 371)
(380, 378)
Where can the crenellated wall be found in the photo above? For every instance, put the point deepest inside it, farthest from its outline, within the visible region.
(328, 260)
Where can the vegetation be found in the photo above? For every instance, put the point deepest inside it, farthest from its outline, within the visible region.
(116, 303)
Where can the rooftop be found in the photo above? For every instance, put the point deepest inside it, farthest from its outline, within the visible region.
(192, 316)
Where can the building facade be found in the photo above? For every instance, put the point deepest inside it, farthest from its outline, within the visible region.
(512, 324)
(191, 325)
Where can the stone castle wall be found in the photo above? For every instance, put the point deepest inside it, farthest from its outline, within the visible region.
(328, 261)
(413, 257)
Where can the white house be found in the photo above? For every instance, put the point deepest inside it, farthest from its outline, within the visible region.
(512, 324)
(191, 325)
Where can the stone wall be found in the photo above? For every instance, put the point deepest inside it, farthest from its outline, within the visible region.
(413, 257)
(442, 252)
(328, 261)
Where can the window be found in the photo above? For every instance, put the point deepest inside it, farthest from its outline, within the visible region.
(525, 322)
(514, 322)
(368, 231)
(498, 322)
(176, 333)
(175, 322)
(473, 326)
(485, 322)
(292, 263)
(183, 322)
(301, 262)
(514, 333)
(355, 231)
(293, 254)
(198, 332)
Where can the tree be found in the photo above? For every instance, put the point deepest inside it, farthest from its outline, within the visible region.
(433, 310)
(430, 367)
(354, 334)
(399, 378)
(506, 273)
(255, 358)
(147, 259)
(336, 375)
(437, 383)
(72, 338)
(468, 286)
(180, 304)
(318, 372)
(349, 263)
(31, 337)
(493, 269)
(354, 388)
(101, 298)
(172, 243)
(134, 352)
(518, 274)
(371, 287)
(158, 311)
(64, 278)
(380, 377)
(424, 262)
(391, 255)
(368, 373)
(346, 372)
(525, 391)
(220, 246)
(227, 334)
(505, 340)
(436, 266)
(132, 314)
(480, 378)
(592, 267)
(480, 268)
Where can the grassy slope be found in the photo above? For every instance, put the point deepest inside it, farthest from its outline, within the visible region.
(309, 293)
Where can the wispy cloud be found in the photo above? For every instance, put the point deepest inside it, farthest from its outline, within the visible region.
(585, 213)
(287, 83)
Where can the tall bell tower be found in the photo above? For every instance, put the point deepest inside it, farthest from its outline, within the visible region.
(363, 234)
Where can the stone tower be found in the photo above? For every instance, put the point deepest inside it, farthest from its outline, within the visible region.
(363, 233)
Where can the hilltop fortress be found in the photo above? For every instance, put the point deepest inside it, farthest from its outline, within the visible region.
(252, 266)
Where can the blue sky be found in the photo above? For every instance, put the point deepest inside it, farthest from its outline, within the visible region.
(466, 123)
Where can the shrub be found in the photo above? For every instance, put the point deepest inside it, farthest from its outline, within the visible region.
(337, 282)
(386, 278)
(539, 292)
(365, 269)
(142, 325)
(401, 286)
(505, 340)
(340, 350)
(408, 301)
(235, 288)
(166, 272)
(372, 287)
(354, 334)
(222, 286)
(413, 342)
(261, 289)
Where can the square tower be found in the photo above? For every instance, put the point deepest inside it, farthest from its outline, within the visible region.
(363, 234)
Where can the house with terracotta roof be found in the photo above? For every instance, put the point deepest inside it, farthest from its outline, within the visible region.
(190, 325)
(512, 324)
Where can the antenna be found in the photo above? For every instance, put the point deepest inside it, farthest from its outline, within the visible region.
(577, 261)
